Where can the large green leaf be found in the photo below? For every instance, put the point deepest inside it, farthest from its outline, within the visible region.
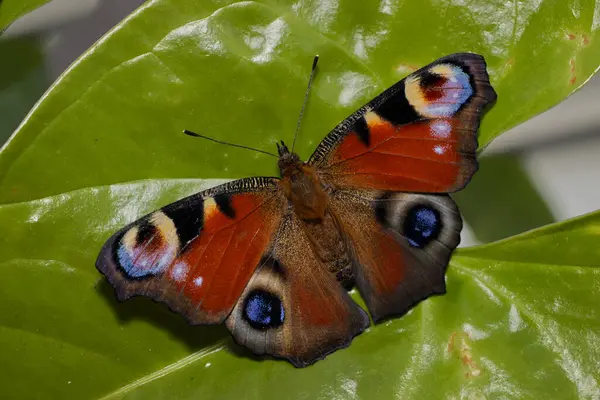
(237, 71)
(11, 10)
(520, 320)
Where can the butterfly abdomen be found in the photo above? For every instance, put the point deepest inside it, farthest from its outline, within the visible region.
(328, 244)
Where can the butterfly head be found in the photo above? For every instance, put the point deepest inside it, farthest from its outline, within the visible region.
(287, 159)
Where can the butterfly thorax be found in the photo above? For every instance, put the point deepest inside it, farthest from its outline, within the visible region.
(309, 200)
(301, 186)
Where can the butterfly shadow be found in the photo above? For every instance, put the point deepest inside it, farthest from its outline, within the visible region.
(159, 315)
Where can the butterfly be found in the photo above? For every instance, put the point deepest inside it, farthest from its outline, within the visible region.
(273, 258)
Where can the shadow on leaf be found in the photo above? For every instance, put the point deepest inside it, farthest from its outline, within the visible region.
(159, 315)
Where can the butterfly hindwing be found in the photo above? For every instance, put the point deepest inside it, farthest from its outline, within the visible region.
(197, 254)
(401, 242)
(293, 307)
(420, 135)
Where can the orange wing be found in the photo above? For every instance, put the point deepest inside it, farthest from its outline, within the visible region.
(197, 254)
(418, 136)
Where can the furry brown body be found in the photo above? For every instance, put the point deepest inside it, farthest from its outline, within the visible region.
(309, 199)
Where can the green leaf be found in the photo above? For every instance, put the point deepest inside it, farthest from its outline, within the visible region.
(11, 10)
(520, 320)
(237, 71)
(60, 325)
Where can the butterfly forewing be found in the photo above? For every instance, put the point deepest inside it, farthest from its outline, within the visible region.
(420, 135)
(197, 254)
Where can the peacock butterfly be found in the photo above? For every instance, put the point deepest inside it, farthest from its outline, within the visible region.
(273, 258)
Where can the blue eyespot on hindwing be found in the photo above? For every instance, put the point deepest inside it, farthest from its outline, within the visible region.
(263, 310)
(422, 225)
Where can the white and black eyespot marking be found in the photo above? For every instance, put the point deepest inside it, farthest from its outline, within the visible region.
(439, 91)
(147, 248)
(419, 218)
(263, 308)
(129, 243)
(144, 232)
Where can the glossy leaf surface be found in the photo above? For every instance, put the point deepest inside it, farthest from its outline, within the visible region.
(237, 71)
(520, 320)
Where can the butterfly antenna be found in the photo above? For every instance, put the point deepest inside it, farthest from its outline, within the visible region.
(312, 74)
(190, 133)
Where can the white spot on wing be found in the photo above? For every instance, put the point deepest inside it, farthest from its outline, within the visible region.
(180, 271)
(438, 149)
(440, 129)
(198, 281)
